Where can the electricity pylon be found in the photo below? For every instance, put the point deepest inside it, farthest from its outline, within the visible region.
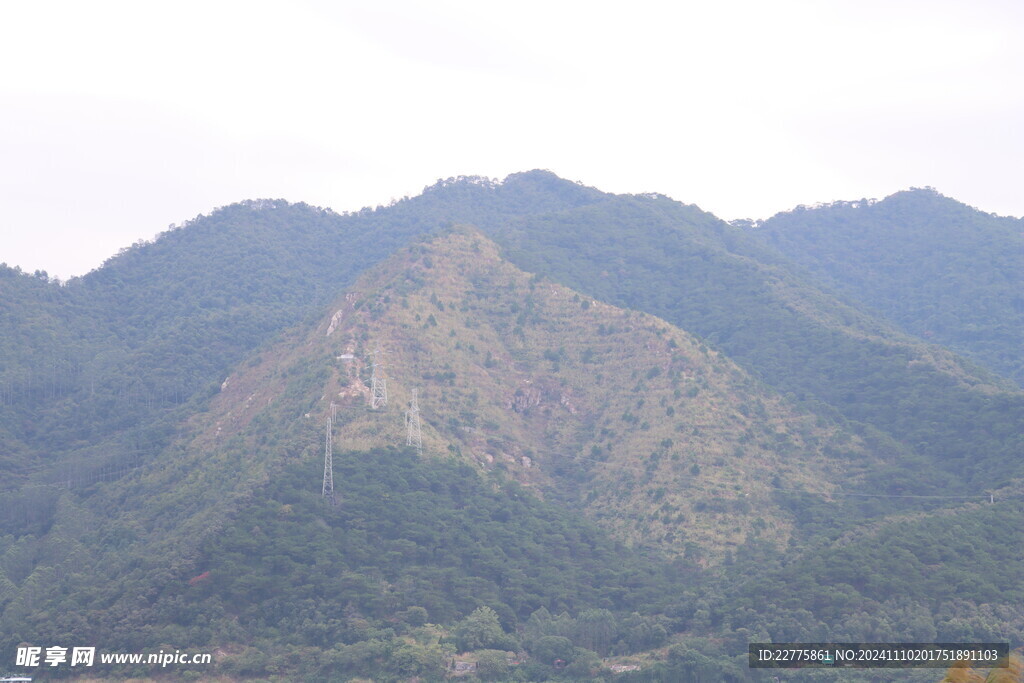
(413, 437)
(328, 490)
(378, 384)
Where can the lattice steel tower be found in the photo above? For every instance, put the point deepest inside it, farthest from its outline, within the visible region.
(328, 490)
(378, 383)
(413, 437)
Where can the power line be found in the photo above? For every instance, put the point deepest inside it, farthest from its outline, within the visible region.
(902, 495)
(989, 495)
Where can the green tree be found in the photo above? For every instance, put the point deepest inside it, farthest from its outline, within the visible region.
(597, 629)
(481, 629)
(492, 665)
(549, 648)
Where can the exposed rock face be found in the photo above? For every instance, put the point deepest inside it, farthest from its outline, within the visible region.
(526, 398)
(567, 401)
(335, 319)
(533, 395)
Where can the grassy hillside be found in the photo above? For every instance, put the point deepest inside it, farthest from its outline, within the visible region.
(662, 439)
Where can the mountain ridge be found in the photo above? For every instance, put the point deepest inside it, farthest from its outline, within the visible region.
(629, 357)
(939, 269)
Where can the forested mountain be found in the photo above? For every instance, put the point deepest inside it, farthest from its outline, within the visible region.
(656, 255)
(113, 355)
(938, 269)
(521, 379)
(165, 320)
(698, 424)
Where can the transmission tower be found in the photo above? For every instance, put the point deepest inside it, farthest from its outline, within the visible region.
(413, 437)
(378, 383)
(328, 490)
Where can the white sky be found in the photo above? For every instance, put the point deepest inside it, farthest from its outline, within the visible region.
(119, 118)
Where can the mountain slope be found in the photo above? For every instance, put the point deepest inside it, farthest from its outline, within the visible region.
(689, 268)
(952, 576)
(938, 269)
(169, 318)
(174, 315)
(662, 441)
(120, 355)
(520, 378)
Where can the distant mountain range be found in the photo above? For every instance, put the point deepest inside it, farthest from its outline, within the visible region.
(938, 269)
(646, 433)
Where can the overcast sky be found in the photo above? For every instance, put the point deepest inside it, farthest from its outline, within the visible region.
(119, 118)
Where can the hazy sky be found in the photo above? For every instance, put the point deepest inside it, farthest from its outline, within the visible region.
(119, 118)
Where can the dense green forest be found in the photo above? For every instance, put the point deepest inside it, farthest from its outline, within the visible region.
(941, 270)
(356, 588)
(144, 502)
(415, 542)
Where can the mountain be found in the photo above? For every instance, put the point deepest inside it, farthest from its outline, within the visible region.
(656, 255)
(161, 324)
(117, 356)
(663, 442)
(661, 439)
(639, 424)
(938, 269)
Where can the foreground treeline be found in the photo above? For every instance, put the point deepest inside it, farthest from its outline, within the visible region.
(426, 563)
(421, 560)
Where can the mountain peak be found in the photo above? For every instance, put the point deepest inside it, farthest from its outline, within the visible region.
(544, 181)
(528, 191)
